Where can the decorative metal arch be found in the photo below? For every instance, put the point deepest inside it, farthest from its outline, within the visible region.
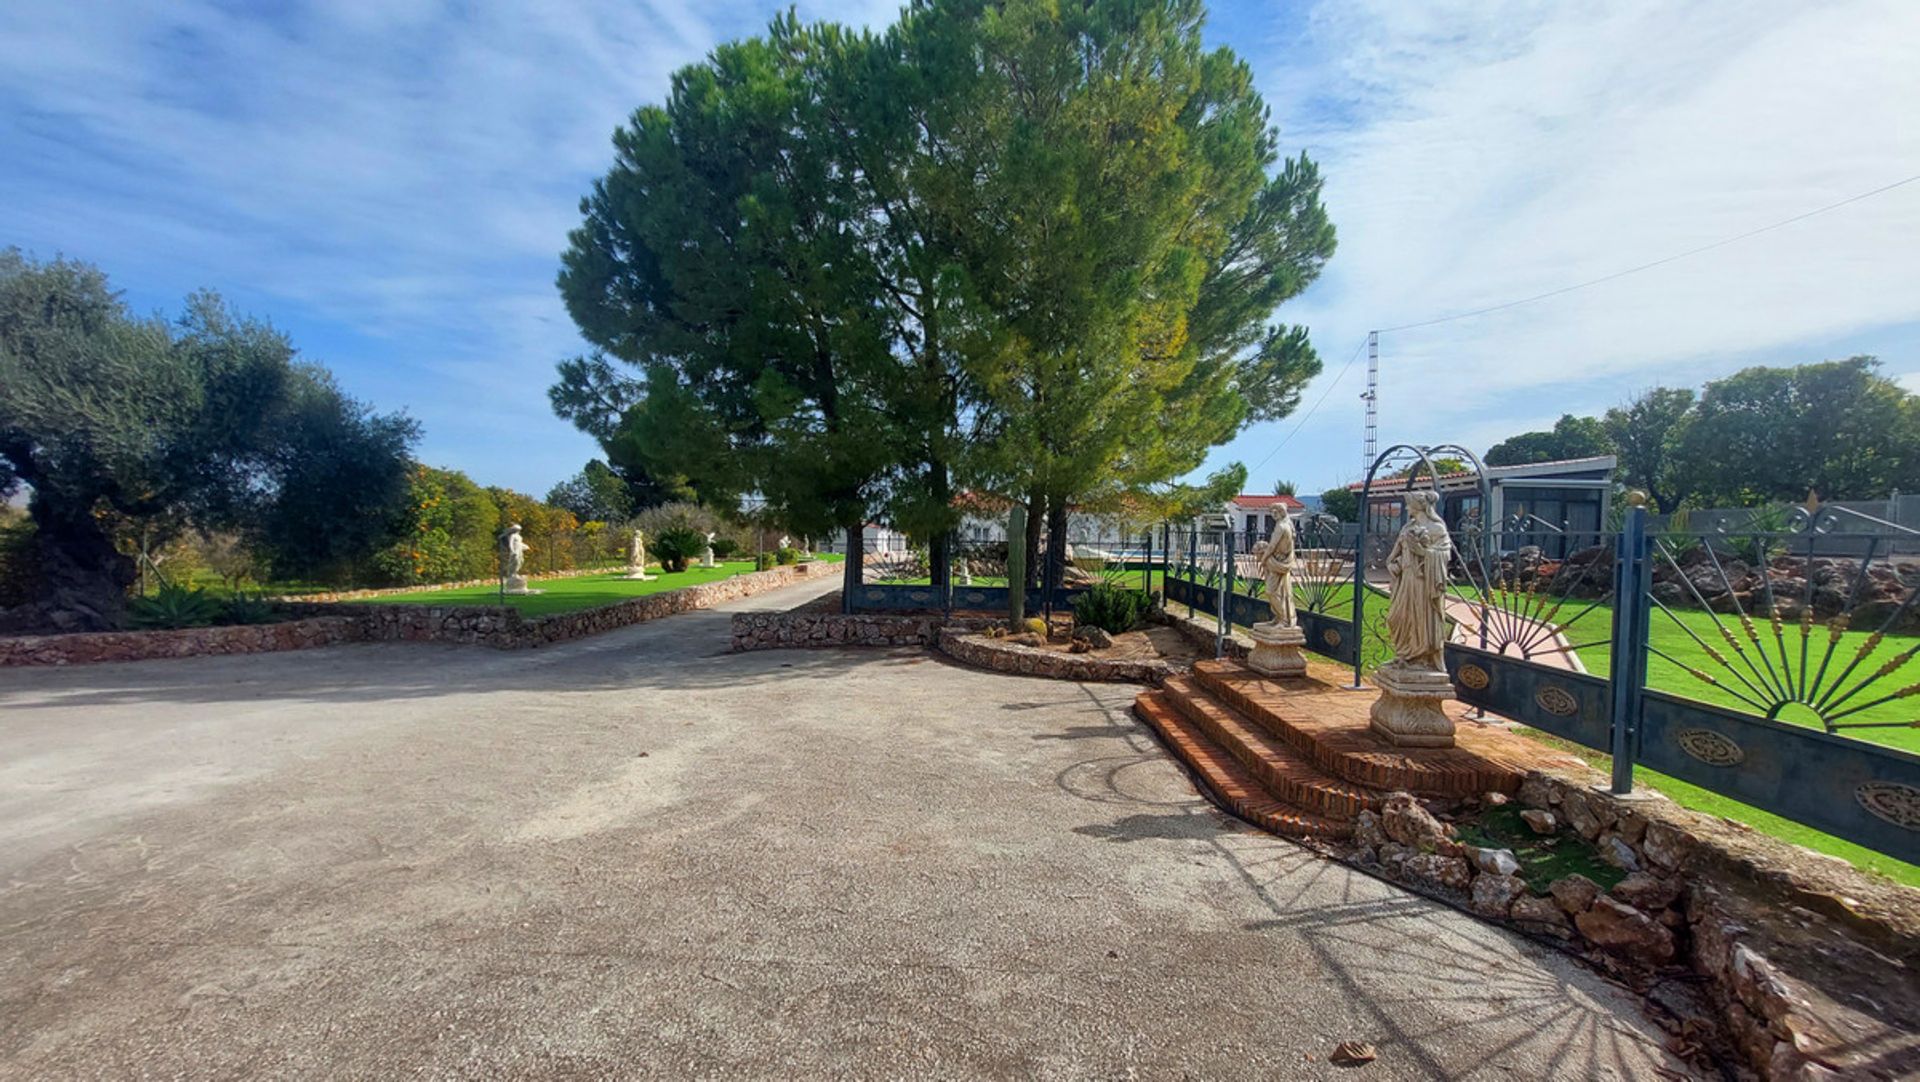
(1426, 453)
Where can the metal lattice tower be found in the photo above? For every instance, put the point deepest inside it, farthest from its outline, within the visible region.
(1371, 449)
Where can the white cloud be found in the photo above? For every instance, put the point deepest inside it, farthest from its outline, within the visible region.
(1480, 152)
(393, 179)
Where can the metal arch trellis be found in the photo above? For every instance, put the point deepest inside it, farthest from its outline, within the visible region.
(1426, 455)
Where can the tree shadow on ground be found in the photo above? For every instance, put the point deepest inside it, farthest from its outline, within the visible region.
(1398, 955)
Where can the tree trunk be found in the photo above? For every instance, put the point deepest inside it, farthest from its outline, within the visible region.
(1056, 549)
(1036, 520)
(83, 578)
(940, 545)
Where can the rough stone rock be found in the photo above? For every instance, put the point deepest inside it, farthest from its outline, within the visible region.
(1574, 893)
(1494, 800)
(1788, 1065)
(1754, 980)
(1541, 915)
(1539, 821)
(1666, 847)
(1617, 927)
(1631, 825)
(1536, 791)
(1493, 895)
(1367, 831)
(1079, 646)
(1579, 813)
(1643, 891)
(1615, 851)
(1393, 855)
(1437, 870)
(1407, 822)
(1749, 1034)
(1093, 636)
(1494, 861)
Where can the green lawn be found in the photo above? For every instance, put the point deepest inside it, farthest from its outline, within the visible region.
(1670, 635)
(569, 594)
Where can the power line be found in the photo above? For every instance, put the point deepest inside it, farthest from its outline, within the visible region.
(1656, 263)
(1316, 405)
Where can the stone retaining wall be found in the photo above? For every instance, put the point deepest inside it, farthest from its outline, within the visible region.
(1803, 963)
(324, 624)
(781, 630)
(89, 647)
(1008, 657)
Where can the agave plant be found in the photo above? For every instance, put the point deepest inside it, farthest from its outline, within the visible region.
(172, 607)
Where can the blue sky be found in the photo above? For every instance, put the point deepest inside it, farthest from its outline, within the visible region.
(391, 182)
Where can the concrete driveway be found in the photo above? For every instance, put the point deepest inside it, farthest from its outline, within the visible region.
(636, 855)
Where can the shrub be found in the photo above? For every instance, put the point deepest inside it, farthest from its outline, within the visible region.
(765, 562)
(248, 609)
(1111, 608)
(678, 546)
(788, 555)
(173, 607)
(19, 561)
(724, 547)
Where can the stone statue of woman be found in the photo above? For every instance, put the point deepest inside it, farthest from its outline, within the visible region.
(1274, 558)
(1416, 615)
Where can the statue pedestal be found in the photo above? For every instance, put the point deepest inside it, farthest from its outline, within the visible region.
(639, 574)
(517, 586)
(708, 560)
(1276, 650)
(1408, 714)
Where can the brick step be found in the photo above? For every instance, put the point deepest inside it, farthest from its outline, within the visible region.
(1327, 725)
(1229, 782)
(1276, 765)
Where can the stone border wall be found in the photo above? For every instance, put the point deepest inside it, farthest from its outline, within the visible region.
(956, 638)
(1803, 964)
(784, 630)
(90, 647)
(330, 624)
(1007, 657)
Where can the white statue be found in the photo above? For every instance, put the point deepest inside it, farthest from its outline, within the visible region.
(1277, 642)
(708, 560)
(786, 542)
(1274, 557)
(513, 552)
(1417, 615)
(1415, 683)
(513, 557)
(637, 557)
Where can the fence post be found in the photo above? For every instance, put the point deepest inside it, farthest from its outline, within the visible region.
(1193, 566)
(1226, 595)
(1627, 668)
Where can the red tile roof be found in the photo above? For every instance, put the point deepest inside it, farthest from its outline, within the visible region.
(1256, 500)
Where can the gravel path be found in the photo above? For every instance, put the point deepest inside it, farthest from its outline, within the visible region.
(636, 855)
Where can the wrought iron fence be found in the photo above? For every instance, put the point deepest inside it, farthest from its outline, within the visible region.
(971, 573)
(1775, 662)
